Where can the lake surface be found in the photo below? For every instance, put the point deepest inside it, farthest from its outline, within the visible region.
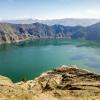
(27, 60)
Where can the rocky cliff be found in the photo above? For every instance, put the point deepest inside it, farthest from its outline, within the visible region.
(19, 32)
(63, 83)
(8, 34)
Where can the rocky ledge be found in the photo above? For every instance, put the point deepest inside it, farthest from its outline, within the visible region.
(62, 83)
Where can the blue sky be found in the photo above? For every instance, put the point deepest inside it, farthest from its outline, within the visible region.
(49, 9)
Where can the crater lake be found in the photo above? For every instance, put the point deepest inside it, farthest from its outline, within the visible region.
(27, 60)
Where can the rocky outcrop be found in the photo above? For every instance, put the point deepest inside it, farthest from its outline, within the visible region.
(62, 83)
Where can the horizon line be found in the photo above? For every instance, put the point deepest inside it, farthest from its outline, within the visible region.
(33, 18)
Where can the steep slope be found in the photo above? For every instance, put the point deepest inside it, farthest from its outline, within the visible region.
(93, 32)
(89, 33)
(8, 34)
(66, 31)
(19, 32)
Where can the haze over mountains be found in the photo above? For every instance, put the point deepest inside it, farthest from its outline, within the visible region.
(65, 21)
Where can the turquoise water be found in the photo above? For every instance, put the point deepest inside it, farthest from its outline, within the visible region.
(26, 60)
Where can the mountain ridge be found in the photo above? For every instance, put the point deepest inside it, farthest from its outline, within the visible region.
(20, 32)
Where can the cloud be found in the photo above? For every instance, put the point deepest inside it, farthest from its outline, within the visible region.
(0, 19)
(93, 13)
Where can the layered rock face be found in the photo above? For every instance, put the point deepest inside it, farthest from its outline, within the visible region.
(9, 34)
(19, 32)
(63, 83)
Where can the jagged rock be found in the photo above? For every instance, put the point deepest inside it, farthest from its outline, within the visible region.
(62, 83)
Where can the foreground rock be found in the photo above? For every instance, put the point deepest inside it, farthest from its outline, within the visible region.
(63, 83)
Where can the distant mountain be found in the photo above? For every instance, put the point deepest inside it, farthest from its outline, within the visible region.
(71, 22)
(19, 32)
(89, 33)
(65, 22)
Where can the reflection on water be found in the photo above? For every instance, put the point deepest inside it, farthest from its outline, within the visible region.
(44, 42)
(26, 60)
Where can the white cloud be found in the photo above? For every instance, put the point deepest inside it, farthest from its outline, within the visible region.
(94, 13)
(0, 19)
(18, 18)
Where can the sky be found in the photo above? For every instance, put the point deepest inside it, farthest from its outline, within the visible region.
(49, 9)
